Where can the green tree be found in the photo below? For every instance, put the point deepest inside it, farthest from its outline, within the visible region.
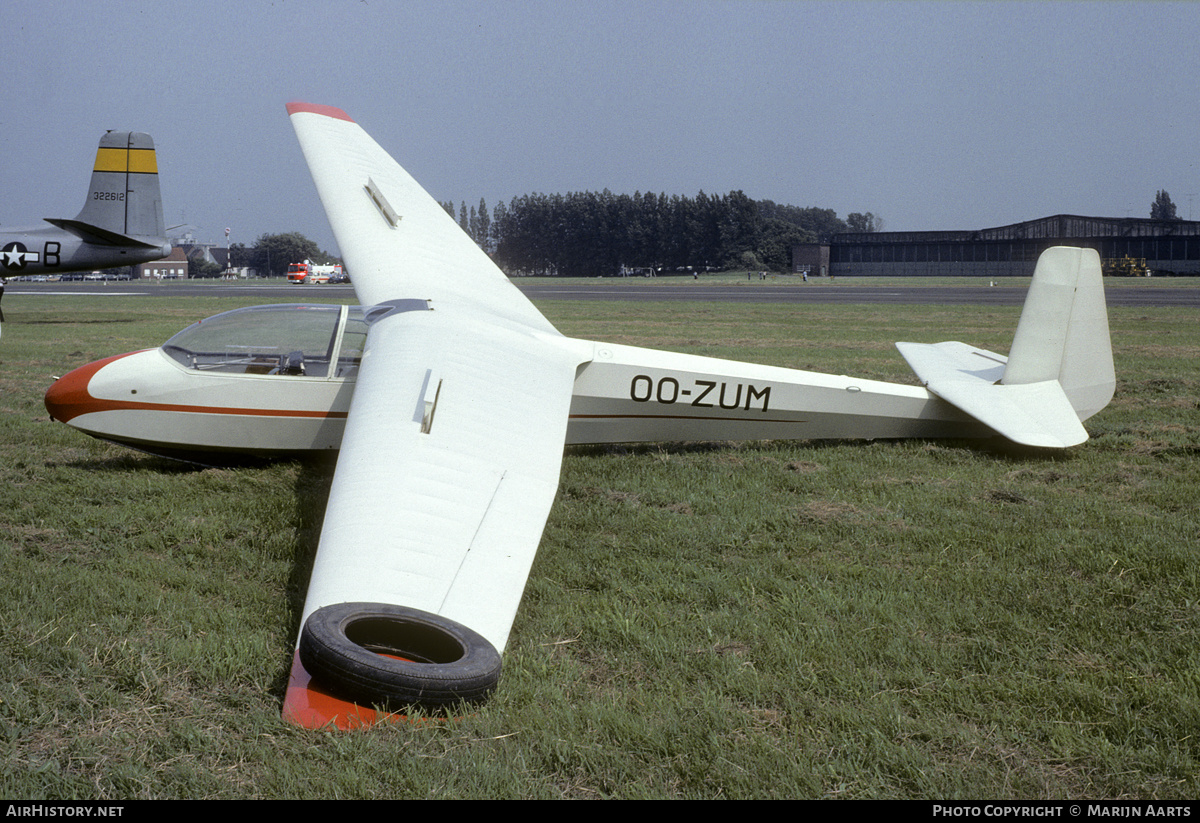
(199, 268)
(600, 233)
(823, 223)
(776, 241)
(479, 225)
(240, 256)
(495, 232)
(273, 253)
(867, 223)
(1162, 208)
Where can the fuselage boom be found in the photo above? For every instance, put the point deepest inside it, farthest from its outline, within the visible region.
(218, 390)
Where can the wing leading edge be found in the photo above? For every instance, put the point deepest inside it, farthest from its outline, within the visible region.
(397, 241)
(453, 445)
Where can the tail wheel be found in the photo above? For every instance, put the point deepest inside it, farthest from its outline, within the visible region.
(380, 654)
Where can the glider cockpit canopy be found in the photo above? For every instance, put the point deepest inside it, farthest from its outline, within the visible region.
(310, 340)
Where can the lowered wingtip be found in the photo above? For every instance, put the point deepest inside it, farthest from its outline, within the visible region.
(298, 107)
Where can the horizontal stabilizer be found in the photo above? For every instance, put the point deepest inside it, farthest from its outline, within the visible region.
(1031, 414)
(1059, 371)
(98, 236)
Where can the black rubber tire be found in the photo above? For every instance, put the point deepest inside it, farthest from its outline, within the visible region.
(342, 648)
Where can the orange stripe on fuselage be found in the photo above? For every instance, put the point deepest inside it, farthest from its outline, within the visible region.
(69, 398)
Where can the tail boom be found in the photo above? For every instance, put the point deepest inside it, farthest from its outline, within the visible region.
(627, 394)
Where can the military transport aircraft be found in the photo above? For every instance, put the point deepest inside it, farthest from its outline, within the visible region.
(121, 223)
(450, 397)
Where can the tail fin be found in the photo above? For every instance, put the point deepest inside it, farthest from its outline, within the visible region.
(124, 199)
(1059, 372)
(1063, 331)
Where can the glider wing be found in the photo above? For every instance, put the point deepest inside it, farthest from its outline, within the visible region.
(453, 445)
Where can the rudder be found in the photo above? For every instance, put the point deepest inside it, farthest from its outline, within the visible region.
(1063, 331)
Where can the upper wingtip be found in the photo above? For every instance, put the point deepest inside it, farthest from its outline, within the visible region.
(296, 107)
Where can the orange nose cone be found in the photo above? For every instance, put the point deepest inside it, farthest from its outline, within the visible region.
(68, 397)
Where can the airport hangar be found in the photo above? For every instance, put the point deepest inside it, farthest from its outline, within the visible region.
(1169, 247)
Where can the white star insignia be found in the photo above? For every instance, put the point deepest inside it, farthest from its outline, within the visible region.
(15, 257)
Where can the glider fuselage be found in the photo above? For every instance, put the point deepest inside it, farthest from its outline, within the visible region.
(220, 390)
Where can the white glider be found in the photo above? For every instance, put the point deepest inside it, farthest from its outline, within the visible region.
(451, 420)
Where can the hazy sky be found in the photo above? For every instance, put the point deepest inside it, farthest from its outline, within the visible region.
(932, 115)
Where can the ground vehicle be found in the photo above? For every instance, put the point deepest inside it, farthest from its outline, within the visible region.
(310, 272)
(1125, 267)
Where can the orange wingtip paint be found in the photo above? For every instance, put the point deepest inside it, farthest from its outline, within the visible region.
(309, 706)
(328, 111)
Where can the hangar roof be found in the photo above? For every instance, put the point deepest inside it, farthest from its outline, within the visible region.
(1044, 228)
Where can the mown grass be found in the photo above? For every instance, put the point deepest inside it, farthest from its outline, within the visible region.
(751, 279)
(911, 619)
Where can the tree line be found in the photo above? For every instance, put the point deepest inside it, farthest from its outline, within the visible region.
(588, 234)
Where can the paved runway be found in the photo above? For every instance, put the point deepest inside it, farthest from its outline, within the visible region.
(1137, 294)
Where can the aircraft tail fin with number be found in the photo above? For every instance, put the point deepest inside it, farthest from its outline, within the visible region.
(1059, 371)
(124, 204)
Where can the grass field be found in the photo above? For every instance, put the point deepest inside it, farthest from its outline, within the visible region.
(773, 619)
(751, 280)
